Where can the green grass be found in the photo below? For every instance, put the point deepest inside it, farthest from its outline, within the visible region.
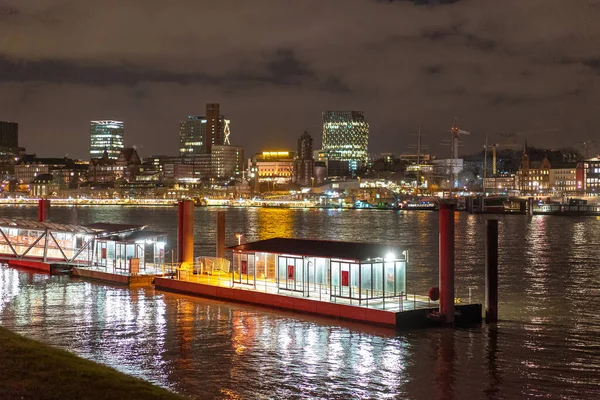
(31, 370)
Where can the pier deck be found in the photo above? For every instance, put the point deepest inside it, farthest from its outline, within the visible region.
(408, 311)
(119, 276)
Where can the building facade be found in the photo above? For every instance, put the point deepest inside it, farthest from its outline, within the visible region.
(564, 180)
(104, 169)
(500, 183)
(106, 135)
(533, 177)
(591, 177)
(272, 166)
(227, 162)
(26, 172)
(217, 126)
(129, 162)
(192, 136)
(346, 137)
(304, 163)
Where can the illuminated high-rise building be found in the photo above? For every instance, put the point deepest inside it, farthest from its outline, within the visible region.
(193, 136)
(217, 127)
(346, 137)
(106, 135)
(198, 134)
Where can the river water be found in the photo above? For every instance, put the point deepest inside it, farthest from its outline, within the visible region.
(547, 344)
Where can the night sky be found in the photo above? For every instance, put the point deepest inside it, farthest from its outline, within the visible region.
(274, 65)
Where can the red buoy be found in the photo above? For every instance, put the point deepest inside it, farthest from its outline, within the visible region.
(434, 293)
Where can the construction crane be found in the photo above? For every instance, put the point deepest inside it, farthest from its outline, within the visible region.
(456, 132)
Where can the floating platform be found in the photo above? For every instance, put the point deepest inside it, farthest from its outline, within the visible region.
(38, 266)
(117, 278)
(406, 319)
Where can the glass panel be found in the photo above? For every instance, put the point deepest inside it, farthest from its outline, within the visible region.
(250, 270)
(365, 282)
(354, 280)
(400, 277)
(311, 270)
(282, 276)
(237, 257)
(335, 273)
(271, 272)
(389, 279)
(321, 271)
(261, 261)
(378, 278)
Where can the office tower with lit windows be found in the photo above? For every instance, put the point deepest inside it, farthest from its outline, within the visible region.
(227, 162)
(106, 135)
(193, 136)
(346, 137)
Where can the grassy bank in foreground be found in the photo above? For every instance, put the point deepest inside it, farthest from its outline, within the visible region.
(31, 370)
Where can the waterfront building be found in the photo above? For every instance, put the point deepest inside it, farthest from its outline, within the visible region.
(106, 136)
(44, 185)
(346, 137)
(335, 169)
(227, 162)
(66, 172)
(563, 180)
(500, 184)
(272, 166)
(129, 163)
(27, 171)
(533, 176)
(320, 172)
(104, 169)
(591, 176)
(193, 136)
(179, 172)
(304, 163)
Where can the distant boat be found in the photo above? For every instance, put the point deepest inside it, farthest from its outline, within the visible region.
(573, 207)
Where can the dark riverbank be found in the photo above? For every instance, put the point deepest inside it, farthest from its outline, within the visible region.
(31, 370)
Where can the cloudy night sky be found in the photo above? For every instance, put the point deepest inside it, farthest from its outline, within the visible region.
(275, 65)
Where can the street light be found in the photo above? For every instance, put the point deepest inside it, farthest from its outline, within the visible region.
(239, 238)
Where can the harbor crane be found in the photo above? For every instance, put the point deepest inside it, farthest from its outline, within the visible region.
(456, 132)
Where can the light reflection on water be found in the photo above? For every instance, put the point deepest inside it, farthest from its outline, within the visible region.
(547, 344)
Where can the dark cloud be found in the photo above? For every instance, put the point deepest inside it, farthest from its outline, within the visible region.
(282, 68)
(89, 73)
(593, 63)
(8, 12)
(421, 2)
(433, 69)
(285, 68)
(510, 65)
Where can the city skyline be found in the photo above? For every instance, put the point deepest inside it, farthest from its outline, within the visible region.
(497, 67)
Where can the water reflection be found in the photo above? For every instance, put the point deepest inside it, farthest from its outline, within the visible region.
(546, 343)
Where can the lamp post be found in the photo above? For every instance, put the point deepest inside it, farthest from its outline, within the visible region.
(239, 238)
